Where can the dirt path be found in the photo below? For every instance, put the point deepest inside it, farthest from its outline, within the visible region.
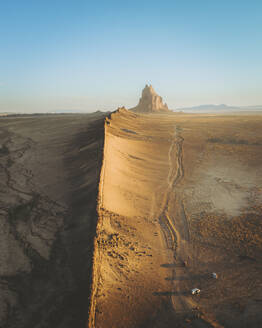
(175, 234)
(167, 221)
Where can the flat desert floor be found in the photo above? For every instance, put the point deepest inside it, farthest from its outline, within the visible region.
(109, 221)
(180, 197)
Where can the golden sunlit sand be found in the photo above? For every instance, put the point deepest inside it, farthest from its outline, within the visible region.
(179, 198)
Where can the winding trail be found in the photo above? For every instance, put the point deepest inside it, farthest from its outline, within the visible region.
(167, 221)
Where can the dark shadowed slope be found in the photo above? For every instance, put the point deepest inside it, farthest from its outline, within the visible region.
(50, 168)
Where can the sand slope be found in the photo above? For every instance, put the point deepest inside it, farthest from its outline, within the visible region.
(179, 198)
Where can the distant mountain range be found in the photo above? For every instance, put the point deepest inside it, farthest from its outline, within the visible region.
(62, 111)
(209, 108)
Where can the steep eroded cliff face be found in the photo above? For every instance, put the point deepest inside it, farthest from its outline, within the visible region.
(128, 249)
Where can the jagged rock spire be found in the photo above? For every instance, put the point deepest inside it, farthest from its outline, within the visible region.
(150, 101)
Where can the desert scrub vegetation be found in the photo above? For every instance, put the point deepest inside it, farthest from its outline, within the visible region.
(242, 234)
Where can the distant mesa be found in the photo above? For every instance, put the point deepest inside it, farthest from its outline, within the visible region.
(150, 102)
(209, 108)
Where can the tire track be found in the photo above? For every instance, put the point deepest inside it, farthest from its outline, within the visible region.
(171, 234)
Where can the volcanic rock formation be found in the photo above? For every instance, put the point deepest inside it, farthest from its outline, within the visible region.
(150, 102)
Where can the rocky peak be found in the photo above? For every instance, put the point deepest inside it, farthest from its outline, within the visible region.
(150, 101)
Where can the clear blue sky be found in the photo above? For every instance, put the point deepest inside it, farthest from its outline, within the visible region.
(90, 55)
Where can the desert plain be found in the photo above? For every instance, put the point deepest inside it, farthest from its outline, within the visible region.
(110, 220)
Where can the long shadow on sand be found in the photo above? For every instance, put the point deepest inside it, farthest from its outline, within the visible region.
(55, 293)
(173, 265)
(167, 293)
(195, 277)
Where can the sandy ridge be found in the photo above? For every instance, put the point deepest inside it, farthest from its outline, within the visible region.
(154, 192)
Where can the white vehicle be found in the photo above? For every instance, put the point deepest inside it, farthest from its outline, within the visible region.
(195, 291)
(214, 275)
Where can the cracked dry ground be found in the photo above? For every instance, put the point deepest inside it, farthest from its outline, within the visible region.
(49, 172)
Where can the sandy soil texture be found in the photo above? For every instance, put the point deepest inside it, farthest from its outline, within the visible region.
(180, 197)
(110, 221)
(49, 168)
